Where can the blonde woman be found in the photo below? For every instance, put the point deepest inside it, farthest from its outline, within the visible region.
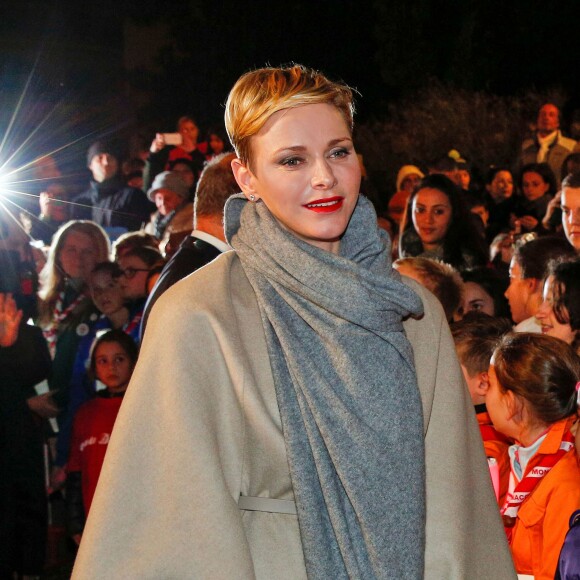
(66, 314)
(280, 424)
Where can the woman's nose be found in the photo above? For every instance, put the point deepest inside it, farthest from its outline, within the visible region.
(323, 176)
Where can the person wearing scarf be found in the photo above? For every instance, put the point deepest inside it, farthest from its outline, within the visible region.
(532, 397)
(298, 410)
(66, 315)
(174, 214)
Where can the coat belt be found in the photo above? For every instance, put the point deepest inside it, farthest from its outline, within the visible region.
(266, 504)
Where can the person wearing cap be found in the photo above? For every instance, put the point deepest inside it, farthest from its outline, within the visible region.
(207, 240)
(174, 214)
(408, 177)
(108, 201)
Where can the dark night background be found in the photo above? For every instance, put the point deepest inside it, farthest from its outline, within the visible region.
(134, 67)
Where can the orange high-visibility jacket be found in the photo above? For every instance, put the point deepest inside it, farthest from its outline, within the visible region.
(542, 520)
(496, 445)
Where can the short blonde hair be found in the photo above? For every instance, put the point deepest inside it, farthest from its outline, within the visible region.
(258, 94)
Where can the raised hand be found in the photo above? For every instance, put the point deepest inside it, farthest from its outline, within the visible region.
(10, 318)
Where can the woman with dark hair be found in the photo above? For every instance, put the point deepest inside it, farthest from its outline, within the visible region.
(484, 291)
(537, 184)
(499, 187)
(437, 224)
(217, 142)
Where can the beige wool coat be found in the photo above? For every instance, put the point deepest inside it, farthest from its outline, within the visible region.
(200, 426)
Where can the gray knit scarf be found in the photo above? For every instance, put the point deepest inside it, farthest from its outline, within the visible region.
(346, 388)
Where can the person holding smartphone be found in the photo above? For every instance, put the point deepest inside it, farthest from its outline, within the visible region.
(168, 147)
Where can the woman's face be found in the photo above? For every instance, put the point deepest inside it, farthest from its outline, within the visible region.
(133, 280)
(305, 169)
(106, 293)
(534, 186)
(216, 144)
(477, 299)
(431, 212)
(547, 318)
(78, 255)
(501, 187)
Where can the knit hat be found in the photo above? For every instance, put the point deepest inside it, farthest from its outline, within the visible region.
(170, 180)
(98, 148)
(405, 171)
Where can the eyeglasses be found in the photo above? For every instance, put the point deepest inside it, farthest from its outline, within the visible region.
(129, 272)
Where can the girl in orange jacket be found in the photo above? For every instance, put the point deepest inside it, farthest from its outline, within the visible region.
(532, 398)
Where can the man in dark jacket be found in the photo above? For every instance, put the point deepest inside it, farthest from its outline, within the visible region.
(108, 201)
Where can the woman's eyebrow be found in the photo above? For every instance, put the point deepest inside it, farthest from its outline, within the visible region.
(299, 148)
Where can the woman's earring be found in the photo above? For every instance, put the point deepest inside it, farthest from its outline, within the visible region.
(252, 197)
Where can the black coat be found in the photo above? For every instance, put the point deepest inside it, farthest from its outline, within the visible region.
(192, 254)
(23, 505)
(113, 204)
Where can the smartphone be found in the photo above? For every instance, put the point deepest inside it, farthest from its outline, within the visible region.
(172, 138)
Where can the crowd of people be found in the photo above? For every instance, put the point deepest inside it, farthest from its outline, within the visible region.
(263, 376)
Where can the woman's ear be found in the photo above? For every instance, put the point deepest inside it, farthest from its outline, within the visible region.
(245, 179)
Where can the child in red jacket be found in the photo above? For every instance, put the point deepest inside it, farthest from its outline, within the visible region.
(113, 358)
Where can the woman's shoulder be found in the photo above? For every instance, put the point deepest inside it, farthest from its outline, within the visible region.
(433, 311)
(211, 289)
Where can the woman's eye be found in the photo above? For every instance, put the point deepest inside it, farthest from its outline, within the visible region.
(291, 161)
(342, 152)
(419, 210)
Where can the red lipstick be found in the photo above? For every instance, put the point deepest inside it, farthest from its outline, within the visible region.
(326, 205)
